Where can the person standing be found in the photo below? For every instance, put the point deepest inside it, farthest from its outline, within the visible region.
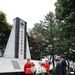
(63, 63)
(58, 67)
(27, 67)
(46, 65)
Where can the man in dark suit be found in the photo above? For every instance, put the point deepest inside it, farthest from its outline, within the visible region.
(63, 63)
(58, 67)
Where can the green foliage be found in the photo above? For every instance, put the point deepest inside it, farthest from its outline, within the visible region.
(53, 70)
(4, 31)
(65, 16)
(45, 31)
(60, 26)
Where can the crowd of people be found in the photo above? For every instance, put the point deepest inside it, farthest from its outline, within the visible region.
(60, 66)
(29, 64)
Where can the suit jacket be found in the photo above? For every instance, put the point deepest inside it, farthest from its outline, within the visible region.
(63, 67)
(58, 69)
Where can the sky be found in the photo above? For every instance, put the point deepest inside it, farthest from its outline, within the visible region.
(31, 11)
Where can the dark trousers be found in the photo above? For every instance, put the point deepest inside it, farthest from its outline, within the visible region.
(46, 73)
(28, 74)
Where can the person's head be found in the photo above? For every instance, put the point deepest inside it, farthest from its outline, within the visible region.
(57, 60)
(46, 61)
(28, 60)
(62, 57)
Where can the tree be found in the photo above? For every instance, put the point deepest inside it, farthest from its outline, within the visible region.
(65, 14)
(4, 31)
(42, 30)
(46, 31)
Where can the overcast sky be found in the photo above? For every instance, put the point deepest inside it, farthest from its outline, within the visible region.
(32, 11)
